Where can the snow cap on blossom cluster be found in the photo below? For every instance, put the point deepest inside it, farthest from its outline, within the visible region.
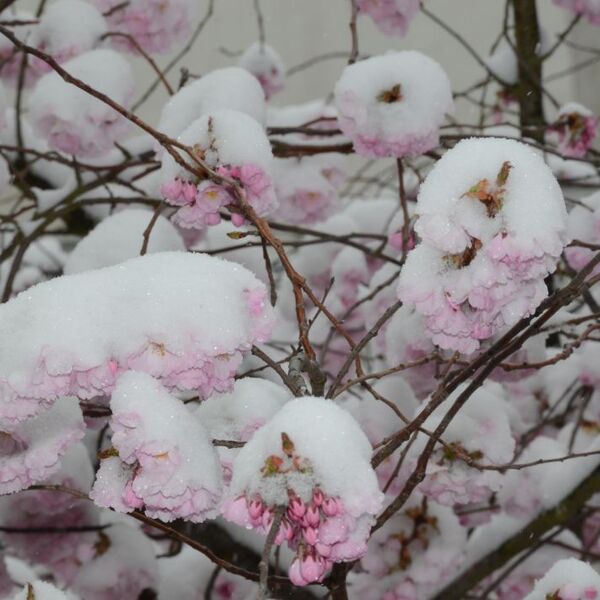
(155, 313)
(41, 590)
(165, 463)
(124, 565)
(391, 16)
(305, 195)
(230, 88)
(492, 219)
(66, 29)
(574, 130)
(266, 65)
(31, 450)
(590, 9)
(75, 122)
(480, 432)
(236, 415)
(584, 225)
(119, 237)
(394, 104)
(568, 579)
(236, 147)
(155, 25)
(312, 461)
(63, 552)
(420, 547)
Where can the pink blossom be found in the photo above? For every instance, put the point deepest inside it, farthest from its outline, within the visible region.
(169, 465)
(192, 342)
(393, 105)
(590, 9)
(574, 130)
(266, 65)
(305, 195)
(73, 121)
(66, 29)
(279, 470)
(483, 257)
(221, 140)
(61, 552)
(31, 450)
(391, 16)
(156, 25)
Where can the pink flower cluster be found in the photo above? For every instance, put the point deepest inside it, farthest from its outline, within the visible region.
(235, 146)
(481, 433)
(414, 552)
(320, 531)
(156, 25)
(485, 248)
(61, 551)
(568, 579)
(574, 130)
(161, 458)
(305, 194)
(30, 451)
(200, 348)
(590, 9)
(391, 16)
(75, 122)
(200, 204)
(393, 105)
(319, 484)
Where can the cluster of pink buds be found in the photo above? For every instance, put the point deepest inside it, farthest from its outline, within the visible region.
(314, 529)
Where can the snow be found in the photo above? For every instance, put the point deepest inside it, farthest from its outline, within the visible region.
(66, 29)
(230, 88)
(266, 65)
(32, 449)
(75, 122)
(236, 146)
(120, 237)
(328, 438)
(40, 590)
(492, 219)
(170, 466)
(394, 104)
(572, 579)
(155, 313)
(122, 570)
(238, 414)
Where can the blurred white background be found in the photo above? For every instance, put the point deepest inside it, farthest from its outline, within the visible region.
(303, 29)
